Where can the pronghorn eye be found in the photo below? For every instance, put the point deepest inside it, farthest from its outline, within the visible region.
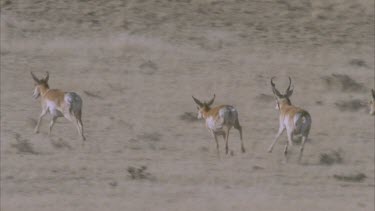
(198, 108)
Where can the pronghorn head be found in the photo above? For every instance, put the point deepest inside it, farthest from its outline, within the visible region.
(372, 102)
(203, 107)
(39, 83)
(282, 98)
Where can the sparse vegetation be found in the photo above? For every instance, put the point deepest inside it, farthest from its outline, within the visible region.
(358, 63)
(150, 136)
(350, 105)
(358, 177)
(23, 146)
(189, 117)
(139, 173)
(343, 83)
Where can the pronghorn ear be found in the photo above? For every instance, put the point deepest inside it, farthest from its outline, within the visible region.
(211, 101)
(47, 77)
(35, 78)
(197, 101)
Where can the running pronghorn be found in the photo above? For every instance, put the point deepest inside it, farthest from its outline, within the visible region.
(219, 120)
(58, 104)
(295, 120)
(372, 103)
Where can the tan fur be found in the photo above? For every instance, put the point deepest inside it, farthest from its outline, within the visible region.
(294, 119)
(214, 112)
(219, 121)
(54, 102)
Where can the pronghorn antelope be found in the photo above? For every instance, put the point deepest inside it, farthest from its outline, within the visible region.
(219, 120)
(372, 103)
(58, 104)
(295, 120)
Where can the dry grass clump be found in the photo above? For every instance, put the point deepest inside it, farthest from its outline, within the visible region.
(350, 105)
(139, 173)
(331, 158)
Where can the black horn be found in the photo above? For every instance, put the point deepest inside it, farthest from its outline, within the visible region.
(274, 90)
(34, 77)
(290, 83)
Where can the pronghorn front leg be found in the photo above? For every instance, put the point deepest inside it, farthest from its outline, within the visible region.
(44, 112)
(217, 143)
(53, 120)
(239, 128)
(281, 130)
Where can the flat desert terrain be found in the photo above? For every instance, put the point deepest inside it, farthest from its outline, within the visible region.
(136, 64)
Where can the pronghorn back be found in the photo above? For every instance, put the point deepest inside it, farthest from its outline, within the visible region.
(229, 114)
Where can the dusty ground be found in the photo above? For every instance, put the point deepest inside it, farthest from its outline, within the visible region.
(136, 65)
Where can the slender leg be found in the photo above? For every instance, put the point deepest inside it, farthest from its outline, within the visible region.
(302, 146)
(53, 120)
(79, 124)
(290, 137)
(239, 128)
(44, 112)
(226, 140)
(80, 129)
(281, 130)
(217, 144)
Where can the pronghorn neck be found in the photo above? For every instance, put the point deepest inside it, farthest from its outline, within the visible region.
(205, 112)
(43, 88)
(283, 103)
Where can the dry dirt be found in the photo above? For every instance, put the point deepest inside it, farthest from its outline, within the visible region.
(136, 65)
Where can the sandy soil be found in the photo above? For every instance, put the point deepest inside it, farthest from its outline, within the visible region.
(136, 65)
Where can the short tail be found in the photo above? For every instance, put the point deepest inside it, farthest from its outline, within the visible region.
(74, 102)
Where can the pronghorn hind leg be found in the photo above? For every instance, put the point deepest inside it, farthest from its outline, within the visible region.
(304, 138)
(239, 128)
(44, 112)
(281, 130)
(79, 124)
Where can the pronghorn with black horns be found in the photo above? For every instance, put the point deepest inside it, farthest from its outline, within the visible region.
(219, 120)
(58, 104)
(295, 120)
